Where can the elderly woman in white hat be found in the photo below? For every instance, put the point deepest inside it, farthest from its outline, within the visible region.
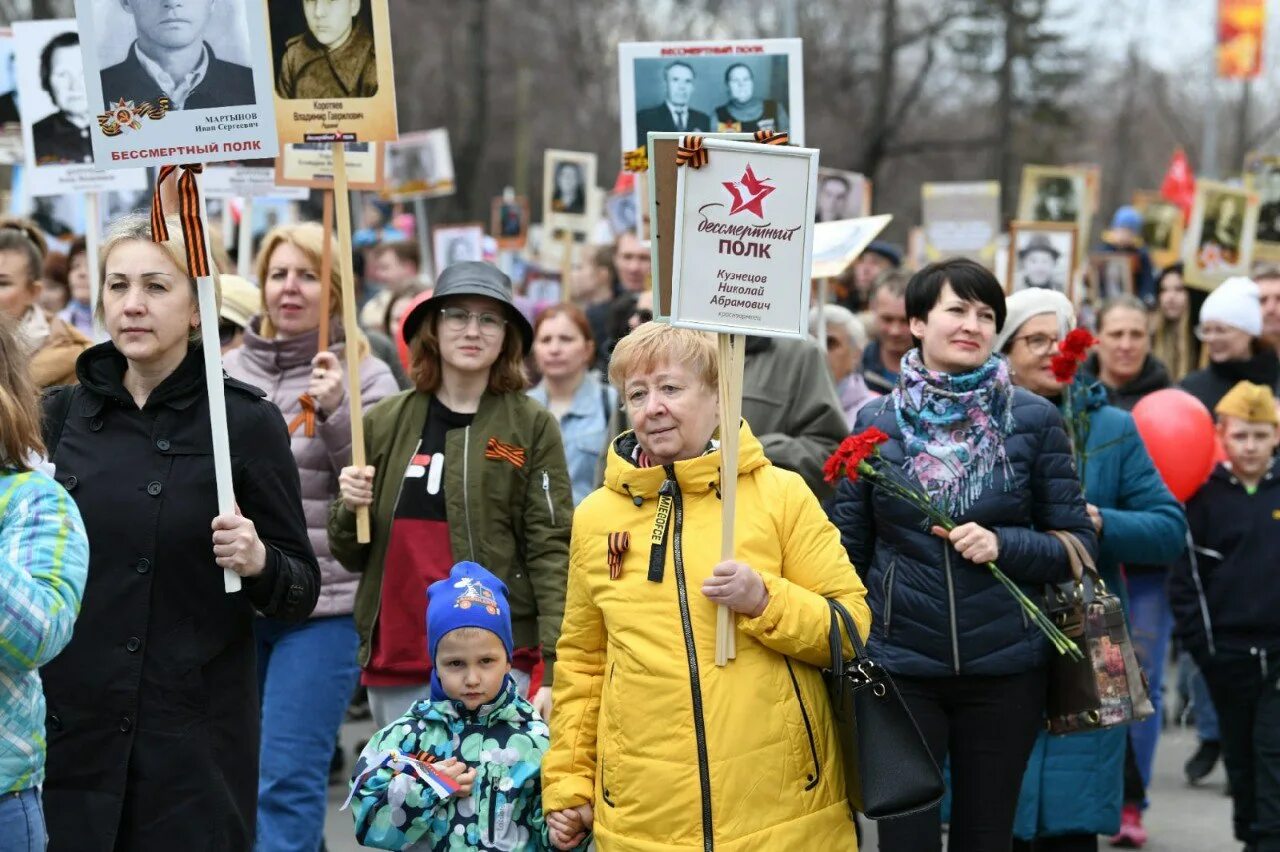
(1137, 520)
(1230, 327)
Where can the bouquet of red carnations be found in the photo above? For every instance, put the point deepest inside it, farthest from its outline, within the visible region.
(859, 456)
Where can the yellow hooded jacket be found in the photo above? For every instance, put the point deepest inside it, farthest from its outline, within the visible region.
(672, 751)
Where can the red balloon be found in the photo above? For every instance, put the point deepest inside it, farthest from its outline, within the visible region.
(1179, 434)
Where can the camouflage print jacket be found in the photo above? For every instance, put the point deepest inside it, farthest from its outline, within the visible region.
(398, 803)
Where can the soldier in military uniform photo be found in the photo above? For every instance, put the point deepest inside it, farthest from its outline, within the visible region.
(333, 58)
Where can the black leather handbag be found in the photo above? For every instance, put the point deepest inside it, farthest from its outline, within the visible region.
(888, 769)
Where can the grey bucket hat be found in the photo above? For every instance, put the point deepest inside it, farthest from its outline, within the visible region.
(470, 278)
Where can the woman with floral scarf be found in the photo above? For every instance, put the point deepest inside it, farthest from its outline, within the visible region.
(995, 458)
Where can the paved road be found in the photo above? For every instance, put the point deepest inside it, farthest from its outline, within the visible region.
(1181, 818)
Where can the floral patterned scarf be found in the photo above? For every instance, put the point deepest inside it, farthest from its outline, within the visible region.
(953, 428)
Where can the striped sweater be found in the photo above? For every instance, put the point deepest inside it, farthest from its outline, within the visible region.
(44, 560)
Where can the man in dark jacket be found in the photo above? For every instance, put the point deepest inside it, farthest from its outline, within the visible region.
(791, 404)
(673, 114)
(1226, 596)
(891, 337)
(171, 58)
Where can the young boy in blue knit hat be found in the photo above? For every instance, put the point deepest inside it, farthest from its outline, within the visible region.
(461, 770)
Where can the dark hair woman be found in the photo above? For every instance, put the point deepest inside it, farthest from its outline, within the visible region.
(464, 466)
(996, 458)
(152, 709)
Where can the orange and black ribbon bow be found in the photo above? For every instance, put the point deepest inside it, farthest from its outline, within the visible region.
(188, 215)
(636, 160)
(618, 544)
(495, 449)
(306, 417)
(691, 153)
(772, 137)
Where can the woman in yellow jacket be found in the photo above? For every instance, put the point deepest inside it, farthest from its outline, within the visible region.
(653, 746)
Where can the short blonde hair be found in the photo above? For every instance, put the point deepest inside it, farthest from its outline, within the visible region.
(136, 227)
(655, 343)
(308, 238)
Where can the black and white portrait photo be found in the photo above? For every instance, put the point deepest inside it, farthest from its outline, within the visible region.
(673, 113)
(1053, 194)
(420, 165)
(62, 135)
(452, 244)
(192, 52)
(1042, 257)
(324, 49)
(569, 179)
(1222, 234)
(1055, 200)
(841, 195)
(8, 81)
(1110, 275)
(1161, 226)
(710, 87)
(1262, 176)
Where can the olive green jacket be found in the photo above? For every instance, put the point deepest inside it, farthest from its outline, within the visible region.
(512, 519)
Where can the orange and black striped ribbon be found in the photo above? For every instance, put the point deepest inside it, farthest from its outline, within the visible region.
(306, 417)
(619, 542)
(772, 137)
(188, 215)
(636, 160)
(691, 153)
(495, 449)
(154, 111)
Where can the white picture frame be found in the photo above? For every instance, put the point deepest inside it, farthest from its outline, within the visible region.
(776, 66)
(772, 188)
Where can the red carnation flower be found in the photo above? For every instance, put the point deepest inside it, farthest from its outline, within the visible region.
(1064, 368)
(852, 451)
(1077, 343)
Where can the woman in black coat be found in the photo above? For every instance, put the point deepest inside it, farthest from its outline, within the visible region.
(996, 459)
(153, 708)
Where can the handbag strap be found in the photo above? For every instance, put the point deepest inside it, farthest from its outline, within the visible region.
(1082, 564)
(838, 614)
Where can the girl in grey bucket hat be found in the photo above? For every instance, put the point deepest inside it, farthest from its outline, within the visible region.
(470, 278)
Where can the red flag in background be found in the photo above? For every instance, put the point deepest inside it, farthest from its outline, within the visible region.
(1179, 185)
(1241, 24)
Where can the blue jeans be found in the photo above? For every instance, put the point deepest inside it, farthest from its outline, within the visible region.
(22, 822)
(1191, 683)
(1150, 627)
(307, 674)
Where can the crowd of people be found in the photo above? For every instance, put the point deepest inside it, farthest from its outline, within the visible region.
(533, 617)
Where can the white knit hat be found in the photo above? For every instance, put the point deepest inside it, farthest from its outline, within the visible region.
(1032, 302)
(1237, 303)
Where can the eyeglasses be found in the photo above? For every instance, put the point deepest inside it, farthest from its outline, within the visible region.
(1038, 344)
(1210, 332)
(458, 319)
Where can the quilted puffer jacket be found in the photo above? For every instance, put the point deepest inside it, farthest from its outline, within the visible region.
(934, 614)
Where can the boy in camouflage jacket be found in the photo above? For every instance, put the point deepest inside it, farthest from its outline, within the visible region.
(461, 770)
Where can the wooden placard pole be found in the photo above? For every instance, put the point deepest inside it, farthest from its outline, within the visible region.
(566, 263)
(244, 239)
(213, 383)
(821, 330)
(326, 269)
(92, 231)
(423, 229)
(732, 361)
(350, 322)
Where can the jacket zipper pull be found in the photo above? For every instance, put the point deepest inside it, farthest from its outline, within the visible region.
(658, 540)
(546, 490)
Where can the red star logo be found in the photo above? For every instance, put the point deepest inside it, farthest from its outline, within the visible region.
(749, 193)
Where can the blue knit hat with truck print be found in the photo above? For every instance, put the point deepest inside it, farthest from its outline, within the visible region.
(469, 597)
